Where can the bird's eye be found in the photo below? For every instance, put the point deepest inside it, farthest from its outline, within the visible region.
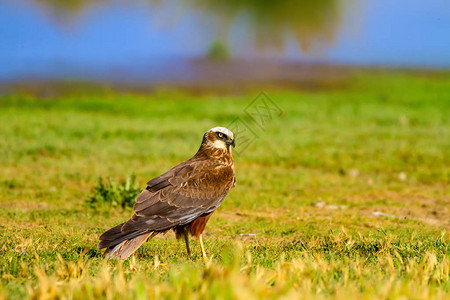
(220, 134)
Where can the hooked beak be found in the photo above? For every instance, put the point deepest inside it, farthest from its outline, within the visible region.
(232, 142)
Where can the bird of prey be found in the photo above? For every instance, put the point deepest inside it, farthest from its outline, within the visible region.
(181, 199)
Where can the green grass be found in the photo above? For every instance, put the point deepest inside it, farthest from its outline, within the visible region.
(299, 224)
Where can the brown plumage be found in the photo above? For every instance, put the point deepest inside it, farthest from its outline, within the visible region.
(181, 199)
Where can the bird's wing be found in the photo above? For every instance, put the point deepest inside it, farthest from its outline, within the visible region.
(181, 195)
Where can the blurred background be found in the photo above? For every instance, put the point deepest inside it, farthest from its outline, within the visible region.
(201, 41)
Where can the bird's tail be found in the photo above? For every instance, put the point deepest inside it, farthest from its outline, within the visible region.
(122, 244)
(127, 247)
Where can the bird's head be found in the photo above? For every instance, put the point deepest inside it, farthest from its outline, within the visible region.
(219, 137)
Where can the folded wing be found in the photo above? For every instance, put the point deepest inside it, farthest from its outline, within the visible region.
(181, 195)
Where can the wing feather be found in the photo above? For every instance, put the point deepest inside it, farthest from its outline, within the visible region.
(182, 170)
(181, 195)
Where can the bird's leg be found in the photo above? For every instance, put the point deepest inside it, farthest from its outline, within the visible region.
(186, 239)
(203, 247)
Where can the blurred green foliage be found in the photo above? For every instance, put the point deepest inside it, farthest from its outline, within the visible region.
(311, 23)
(218, 51)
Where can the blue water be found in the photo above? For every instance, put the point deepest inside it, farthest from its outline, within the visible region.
(142, 38)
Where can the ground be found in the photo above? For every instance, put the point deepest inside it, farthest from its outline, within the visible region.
(342, 191)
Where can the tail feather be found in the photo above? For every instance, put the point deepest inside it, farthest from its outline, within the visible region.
(122, 244)
(125, 248)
